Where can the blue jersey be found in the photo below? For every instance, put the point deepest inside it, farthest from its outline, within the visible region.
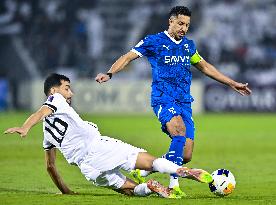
(171, 62)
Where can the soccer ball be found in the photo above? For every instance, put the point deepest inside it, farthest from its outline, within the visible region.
(223, 182)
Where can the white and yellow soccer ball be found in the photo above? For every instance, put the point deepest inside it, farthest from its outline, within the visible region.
(223, 182)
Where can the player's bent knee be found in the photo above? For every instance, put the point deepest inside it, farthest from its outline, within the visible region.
(177, 130)
(176, 126)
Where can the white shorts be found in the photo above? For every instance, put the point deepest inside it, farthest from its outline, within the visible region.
(102, 165)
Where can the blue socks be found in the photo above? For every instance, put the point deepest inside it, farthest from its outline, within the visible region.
(175, 153)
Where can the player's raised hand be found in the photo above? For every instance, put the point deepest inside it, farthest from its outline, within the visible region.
(21, 131)
(101, 77)
(241, 88)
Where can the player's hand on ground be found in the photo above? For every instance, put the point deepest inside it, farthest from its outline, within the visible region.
(101, 77)
(241, 88)
(21, 131)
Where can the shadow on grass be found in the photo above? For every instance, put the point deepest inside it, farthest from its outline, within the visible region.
(234, 198)
(22, 191)
(93, 194)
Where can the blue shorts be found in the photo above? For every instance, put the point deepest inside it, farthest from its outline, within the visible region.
(165, 112)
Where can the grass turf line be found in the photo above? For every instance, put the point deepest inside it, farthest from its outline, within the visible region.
(242, 143)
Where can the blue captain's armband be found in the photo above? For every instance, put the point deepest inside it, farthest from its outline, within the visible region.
(196, 58)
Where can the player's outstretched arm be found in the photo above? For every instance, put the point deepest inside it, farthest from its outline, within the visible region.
(119, 65)
(43, 112)
(50, 159)
(212, 72)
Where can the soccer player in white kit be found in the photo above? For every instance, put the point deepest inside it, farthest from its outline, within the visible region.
(99, 158)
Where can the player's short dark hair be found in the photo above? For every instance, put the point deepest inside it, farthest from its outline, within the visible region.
(53, 80)
(180, 10)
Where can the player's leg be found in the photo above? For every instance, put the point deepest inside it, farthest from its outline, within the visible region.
(143, 167)
(186, 121)
(190, 132)
(172, 123)
(187, 155)
(145, 161)
(177, 131)
(119, 183)
(131, 188)
(114, 179)
(188, 151)
(175, 126)
(139, 175)
(127, 188)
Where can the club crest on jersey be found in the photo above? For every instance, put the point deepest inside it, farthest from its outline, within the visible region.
(50, 98)
(186, 47)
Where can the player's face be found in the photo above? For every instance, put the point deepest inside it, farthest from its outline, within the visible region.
(178, 26)
(65, 90)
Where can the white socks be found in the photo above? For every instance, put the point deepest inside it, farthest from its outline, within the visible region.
(145, 173)
(142, 190)
(164, 166)
(173, 182)
(161, 165)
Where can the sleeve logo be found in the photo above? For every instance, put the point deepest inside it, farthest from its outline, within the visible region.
(50, 98)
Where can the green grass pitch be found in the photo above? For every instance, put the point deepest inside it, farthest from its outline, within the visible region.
(242, 143)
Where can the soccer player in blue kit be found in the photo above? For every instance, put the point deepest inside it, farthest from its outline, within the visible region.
(171, 55)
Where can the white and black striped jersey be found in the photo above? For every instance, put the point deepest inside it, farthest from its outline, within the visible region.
(65, 130)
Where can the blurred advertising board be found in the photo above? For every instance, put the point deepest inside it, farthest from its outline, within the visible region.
(219, 98)
(3, 94)
(123, 97)
(116, 96)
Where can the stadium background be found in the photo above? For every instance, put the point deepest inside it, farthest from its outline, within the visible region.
(80, 38)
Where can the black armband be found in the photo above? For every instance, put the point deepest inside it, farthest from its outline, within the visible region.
(109, 74)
